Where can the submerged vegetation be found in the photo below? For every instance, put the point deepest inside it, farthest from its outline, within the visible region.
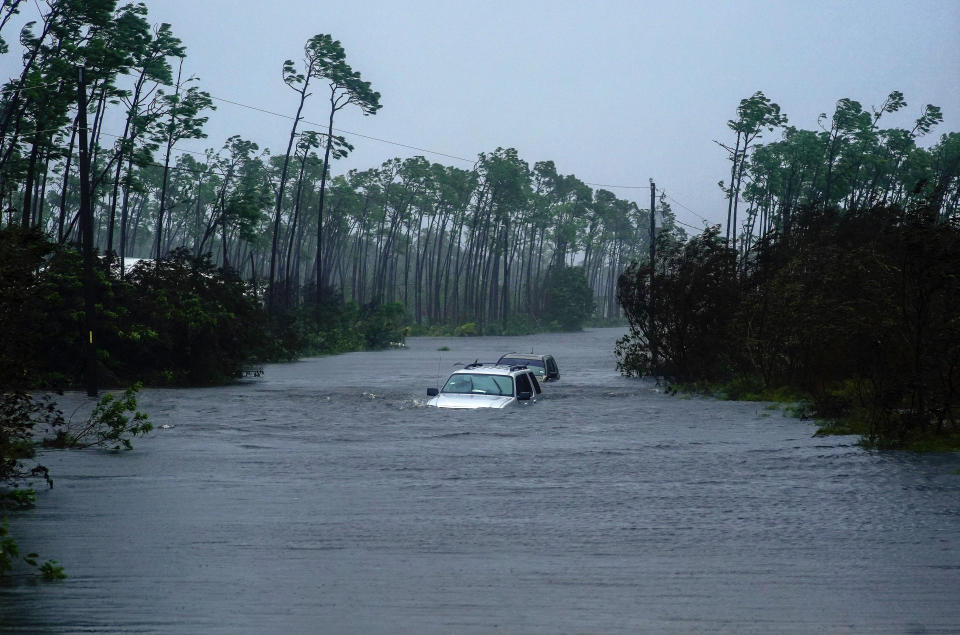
(842, 286)
(112, 424)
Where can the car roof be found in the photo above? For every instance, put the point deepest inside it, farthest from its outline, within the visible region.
(491, 369)
(524, 355)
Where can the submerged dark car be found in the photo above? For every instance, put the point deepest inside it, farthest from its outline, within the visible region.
(545, 366)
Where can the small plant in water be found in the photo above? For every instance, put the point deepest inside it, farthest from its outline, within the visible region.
(51, 570)
(10, 552)
(112, 423)
(18, 499)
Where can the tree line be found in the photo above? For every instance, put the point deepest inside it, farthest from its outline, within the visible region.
(835, 279)
(485, 245)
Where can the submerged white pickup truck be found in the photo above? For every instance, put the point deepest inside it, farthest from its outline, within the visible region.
(480, 385)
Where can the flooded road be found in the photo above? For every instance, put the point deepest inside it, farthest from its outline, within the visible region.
(324, 497)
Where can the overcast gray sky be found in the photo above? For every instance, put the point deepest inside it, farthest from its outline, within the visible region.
(615, 92)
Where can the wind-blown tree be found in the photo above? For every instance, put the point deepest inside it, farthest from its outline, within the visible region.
(17, 93)
(853, 164)
(9, 9)
(346, 89)
(226, 170)
(184, 122)
(313, 54)
(754, 114)
(246, 219)
(153, 70)
(36, 106)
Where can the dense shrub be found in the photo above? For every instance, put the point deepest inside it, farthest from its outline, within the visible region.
(382, 325)
(37, 310)
(183, 321)
(569, 298)
(692, 306)
(858, 309)
(178, 320)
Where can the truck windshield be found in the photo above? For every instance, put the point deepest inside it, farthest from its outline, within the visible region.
(536, 365)
(477, 384)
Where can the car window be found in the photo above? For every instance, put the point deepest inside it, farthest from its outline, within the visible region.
(493, 385)
(530, 363)
(523, 383)
(459, 384)
(464, 383)
(536, 384)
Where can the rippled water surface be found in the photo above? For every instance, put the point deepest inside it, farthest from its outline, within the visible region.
(324, 497)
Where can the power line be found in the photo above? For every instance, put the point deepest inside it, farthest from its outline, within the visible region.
(396, 143)
(680, 222)
(623, 187)
(410, 147)
(24, 88)
(701, 217)
(372, 138)
(340, 130)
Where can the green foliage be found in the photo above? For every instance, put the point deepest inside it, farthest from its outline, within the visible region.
(694, 294)
(51, 570)
(29, 310)
(18, 499)
(839, 427)
(382, 325)
(800, 410)
(330, 65)
(743, 388)
(336, 327)
(468, 329)
(112, 423)
(857, 310)
(843, 286)
(10, 553)
(191, 322)
(850, 163)
(521, 325)
(20, 414)
(516, 325)
(178, 320)
(569, 299)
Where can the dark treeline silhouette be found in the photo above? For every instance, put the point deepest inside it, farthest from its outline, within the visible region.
(840, 281)
(485, 246)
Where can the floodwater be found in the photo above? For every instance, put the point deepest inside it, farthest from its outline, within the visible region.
(324, 497)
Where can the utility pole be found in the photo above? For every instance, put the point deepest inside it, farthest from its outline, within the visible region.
(653, 257)
(86, 236)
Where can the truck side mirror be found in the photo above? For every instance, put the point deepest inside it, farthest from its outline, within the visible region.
(432, 392)
(524, 396)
